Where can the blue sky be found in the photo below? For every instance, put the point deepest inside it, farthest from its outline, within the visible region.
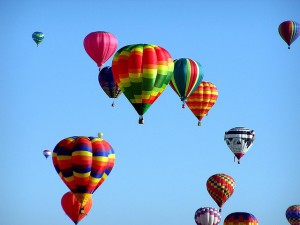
(52, 92)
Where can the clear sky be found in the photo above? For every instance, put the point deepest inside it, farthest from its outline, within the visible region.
(52, 92)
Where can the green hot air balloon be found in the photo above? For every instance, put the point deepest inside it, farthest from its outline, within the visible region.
(38, 37)
(142, 72)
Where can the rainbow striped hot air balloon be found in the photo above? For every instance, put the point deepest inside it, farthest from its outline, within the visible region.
(83, 163)
(142, 71)
(220, 187)
(293, 214)
(202, 99)
(187, 76)
(289, 31)
(240, 218)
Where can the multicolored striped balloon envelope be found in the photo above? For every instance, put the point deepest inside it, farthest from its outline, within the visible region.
(220, 187)
(202, 99)
(240, 218)
(207, 216)
(108, 84)
(83, 163)
(47, 153)
(293, 214)
(187, 76)
(289, 31)
(142, 71)
(73, 208)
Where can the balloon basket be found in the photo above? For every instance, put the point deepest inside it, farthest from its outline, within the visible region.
(141, 120)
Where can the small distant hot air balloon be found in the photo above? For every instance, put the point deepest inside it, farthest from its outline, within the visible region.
(100, 46)
(47, 153)
(202, 99)
(38, 37)
(239, 140)
(142, 71)
(187, 76)
(220, 187)
(240, 218)
(83, 163)
(293, 214)
(73, 208)
(108, 84)
(207, 216)
(289, 31)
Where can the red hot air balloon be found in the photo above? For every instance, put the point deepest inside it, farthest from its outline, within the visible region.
(100, 46)
(220, 187)
(289, 31)
(83, 163)
(73, 208)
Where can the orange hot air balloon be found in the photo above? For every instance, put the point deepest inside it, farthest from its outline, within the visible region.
(202, 100)
(73, 208)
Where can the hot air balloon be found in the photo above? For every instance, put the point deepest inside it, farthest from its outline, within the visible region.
(73, 207)
(293, 214)
(187, 76)
(83, 163)
(220, 187)
(100, 46)
(239, 140)
(207, 216)
(108, 84)
(289, 31)
(202, 99)
(38, 37)
(47, 153)
(142, 71)
(240, 218)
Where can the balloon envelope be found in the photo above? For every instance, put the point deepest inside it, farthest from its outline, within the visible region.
(240, 218)
(38, 37)
(83, 163)
(220, 187)
(47, 153)
(293, 214)
(202, 99)
(73, 208)
(289, 31)
(107, 82)
(207, 216)
(100, 46)
(239, 140)
(142, 72)
(187, 76)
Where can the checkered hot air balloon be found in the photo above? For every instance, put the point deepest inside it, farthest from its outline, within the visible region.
(72, 207)
(187, 76)
(100, 46)
(239, 140)
(142, 71)
(202, 99)
(207, 216)
(220, 187)
(289, 31)
(108, 84)
(293, 214)
(83, 163)
(240, 218)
